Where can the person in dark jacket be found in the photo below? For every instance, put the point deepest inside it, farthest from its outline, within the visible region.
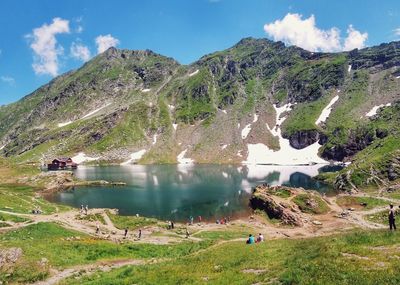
(392, 218)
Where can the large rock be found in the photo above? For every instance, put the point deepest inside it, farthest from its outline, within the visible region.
(302, 139)
(263, 200)
(9, 256)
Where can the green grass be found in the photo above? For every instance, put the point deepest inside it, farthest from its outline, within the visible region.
(350, 201)
(304, 200)
(50, 241)
(381, 217)
(92, 218)
(12, 218)
(355, 258)
(281, 192)
(22, 199)
(131, 222)
(304, 116)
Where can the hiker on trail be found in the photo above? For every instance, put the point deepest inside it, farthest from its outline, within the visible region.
(86, 209)
(97, 228)
(392, 224)
(81, 211)
(191, 220)
(199, 219)
(126, 232)
(169, 225)
(260, 238)
(187, 233)
(225, 220)
(250, 240)
(140, 234)
(172, 225)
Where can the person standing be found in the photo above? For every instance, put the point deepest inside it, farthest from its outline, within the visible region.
(392, 218)
(126, 232)
(97, 228)
(140, 234)
(86, 209)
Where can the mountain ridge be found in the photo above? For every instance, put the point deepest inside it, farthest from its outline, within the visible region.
(214, 110)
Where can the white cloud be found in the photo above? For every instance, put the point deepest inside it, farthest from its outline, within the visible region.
(80, 51)
(44, 45)
(293, 30)
(8, 79)
(105, 42)
(79, 29)
(396, 32)
(355, 39)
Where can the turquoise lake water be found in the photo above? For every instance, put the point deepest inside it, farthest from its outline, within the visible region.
(180, 191)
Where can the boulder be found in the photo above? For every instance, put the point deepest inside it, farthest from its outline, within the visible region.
(264, 201)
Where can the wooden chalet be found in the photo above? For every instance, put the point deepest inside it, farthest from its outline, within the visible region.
(62, 163)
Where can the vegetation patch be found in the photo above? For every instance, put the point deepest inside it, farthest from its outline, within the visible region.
(364, 203)
(323, 260)
(130, 222)
(311, 203)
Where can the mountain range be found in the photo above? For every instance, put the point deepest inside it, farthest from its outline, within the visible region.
(258, 102)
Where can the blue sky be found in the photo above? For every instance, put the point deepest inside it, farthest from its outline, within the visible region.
(40, 39)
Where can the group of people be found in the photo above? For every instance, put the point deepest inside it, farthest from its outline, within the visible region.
(84, 209)
(223, 221)
(252, 240)
(170, 225)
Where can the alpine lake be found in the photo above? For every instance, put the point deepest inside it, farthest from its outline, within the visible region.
(176, 192)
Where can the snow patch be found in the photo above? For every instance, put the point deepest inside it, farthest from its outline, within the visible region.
(246, 131)
(95, 111)
(375, 109)
(224, 174)
(349, 68)
(224, 111)
(260, 153)
(326, 111)
(171, 107)
(182, 160)
(134, 157)
(154, 139)
(397, 77)
(3, 146)
(146, 90)
(194, 73)
(238, 125)
(224, 146)
(175, 126)
(255, 118)
(60, 125)
(82, 157)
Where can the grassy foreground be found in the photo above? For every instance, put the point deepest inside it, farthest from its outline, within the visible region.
(356, 258)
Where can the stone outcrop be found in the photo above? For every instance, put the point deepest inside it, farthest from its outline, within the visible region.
(9, 256)
(302, 139)
(262, 199)
(357, 141)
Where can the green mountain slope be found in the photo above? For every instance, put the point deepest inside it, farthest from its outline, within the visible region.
(122, 102)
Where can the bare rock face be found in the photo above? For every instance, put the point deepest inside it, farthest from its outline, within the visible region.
(302, 139)
(263, 200)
